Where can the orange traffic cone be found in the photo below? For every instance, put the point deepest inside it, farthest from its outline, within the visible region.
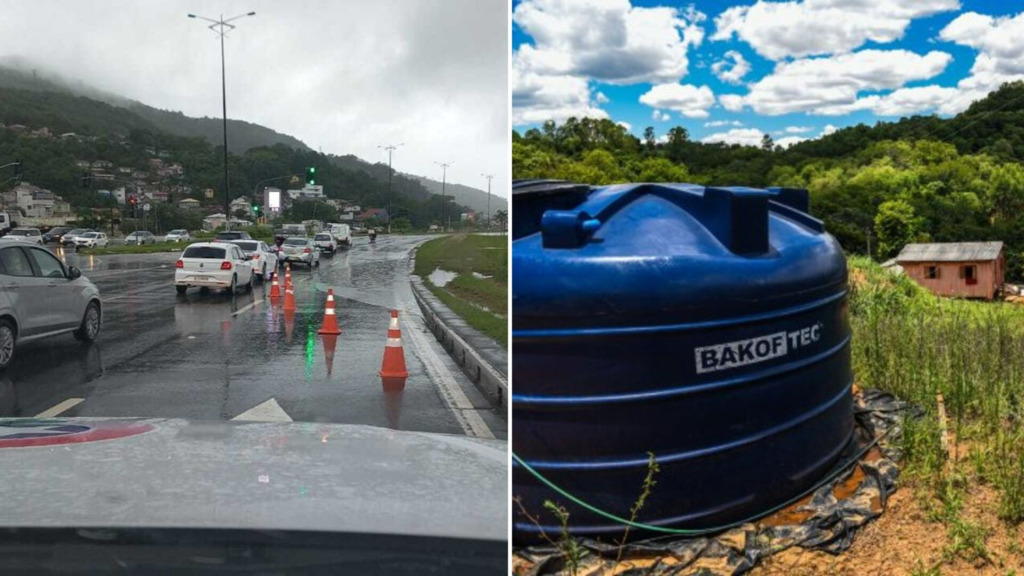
(275, 290)
(330, 342)
(330, 325)
(289, 299)
(287, 275)
(392, 370)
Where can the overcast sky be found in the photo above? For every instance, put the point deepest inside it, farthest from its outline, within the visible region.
(344, 76)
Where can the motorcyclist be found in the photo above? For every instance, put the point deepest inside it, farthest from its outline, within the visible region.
(279, 242)
(373, 235)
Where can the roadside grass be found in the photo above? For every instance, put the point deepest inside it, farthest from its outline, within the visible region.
(136, 249)
(481, 302)
(918, 346)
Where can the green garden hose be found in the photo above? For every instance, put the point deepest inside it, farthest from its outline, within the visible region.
(682, 532)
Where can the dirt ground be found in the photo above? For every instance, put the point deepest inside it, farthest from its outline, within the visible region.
(904, 541)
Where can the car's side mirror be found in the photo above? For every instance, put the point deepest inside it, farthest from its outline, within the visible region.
(73, 273)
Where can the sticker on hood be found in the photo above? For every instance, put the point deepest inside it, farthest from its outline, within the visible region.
(27, 432)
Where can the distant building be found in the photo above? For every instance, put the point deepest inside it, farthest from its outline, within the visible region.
(307, 191)
(378, 214)
(189, 204)
(214, 221)
(124, 170)
(961, 269)
(139, 175)
(83, 164)
(103, 164)
(36, 202)
(17, 128)
(241, 203)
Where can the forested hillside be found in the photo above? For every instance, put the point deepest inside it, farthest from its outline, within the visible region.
(106, 132)
(919, 179)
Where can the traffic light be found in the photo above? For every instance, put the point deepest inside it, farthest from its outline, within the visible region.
(17, 169)
(256, 210)
(311, 175)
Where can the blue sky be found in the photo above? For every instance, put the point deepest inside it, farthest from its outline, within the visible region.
(810, 65)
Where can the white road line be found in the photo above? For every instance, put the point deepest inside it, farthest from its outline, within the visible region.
(244, 308)
(269, 411)
(465, 412)
(115, 298)
(60, 408)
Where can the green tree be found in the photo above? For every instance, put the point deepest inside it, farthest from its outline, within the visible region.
(767, 144)
(895, 227)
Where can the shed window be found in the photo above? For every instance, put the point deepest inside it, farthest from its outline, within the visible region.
(969, 274)
(931, 272)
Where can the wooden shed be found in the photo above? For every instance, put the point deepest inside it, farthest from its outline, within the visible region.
(960, 269)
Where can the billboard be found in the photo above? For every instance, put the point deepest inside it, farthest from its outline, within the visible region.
(274, 199)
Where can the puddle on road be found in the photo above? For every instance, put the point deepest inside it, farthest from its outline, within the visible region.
(441, 278)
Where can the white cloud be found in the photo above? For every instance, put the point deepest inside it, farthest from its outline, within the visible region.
(660, 116)
(830, 85)
(828, 129)
(626, 125)
(690, 101)
(731, 102)
(1000, 42)
(778, 30)
(537, 98)
(716, 123)
(732, 68)
(798, 129)
(600, 98)
(789, 141)
(609, 40)
(742, 136)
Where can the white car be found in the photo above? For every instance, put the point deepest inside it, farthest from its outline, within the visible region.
(325, 243)
(213, 265)
(178, 236)
(262, 257)
(91, 240)
(32, 235)
(342, 234)
(301, 250)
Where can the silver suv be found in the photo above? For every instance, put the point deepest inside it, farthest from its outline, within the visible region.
(40, 297)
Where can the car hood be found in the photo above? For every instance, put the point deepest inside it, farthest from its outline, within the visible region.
(172, 473)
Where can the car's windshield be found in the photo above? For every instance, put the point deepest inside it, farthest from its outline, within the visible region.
(296, 242)
(229, 235)
(246, 246)
(24, 232)
(90, 235)
(176, 232)
(208, 252)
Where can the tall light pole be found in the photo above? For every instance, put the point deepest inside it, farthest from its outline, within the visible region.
(489, 177)
(221, 27)
(444, 177)
(390, 148)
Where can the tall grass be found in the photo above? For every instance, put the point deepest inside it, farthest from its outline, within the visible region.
(915, 345)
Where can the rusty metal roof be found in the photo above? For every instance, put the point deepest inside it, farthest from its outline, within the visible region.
(950, 252)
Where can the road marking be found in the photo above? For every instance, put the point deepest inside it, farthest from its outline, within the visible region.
(244, 308)
(60, 408)
(115, 298)
(269, 411)
(465, 413)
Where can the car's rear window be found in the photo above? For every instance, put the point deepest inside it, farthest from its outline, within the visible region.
(323, 237)
(208, 252)
(295, 242)
(229, 235)
(247, 246)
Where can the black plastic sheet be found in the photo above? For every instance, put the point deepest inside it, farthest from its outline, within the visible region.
(828, 522)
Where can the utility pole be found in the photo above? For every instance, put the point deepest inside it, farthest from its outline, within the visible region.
(221, 27)
(444, 177)
(390, 148)
(489, 177)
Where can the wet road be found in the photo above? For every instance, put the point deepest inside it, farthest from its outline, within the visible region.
(211, 356)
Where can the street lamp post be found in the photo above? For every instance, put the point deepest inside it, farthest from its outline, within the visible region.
(221, 27)
(444, 176)
(489, 177)
(390, 148)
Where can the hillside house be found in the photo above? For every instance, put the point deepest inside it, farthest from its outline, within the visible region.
(188, 204)
(241, 203)
(959, 269)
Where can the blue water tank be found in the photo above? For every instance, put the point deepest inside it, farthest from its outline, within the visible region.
(707, 326)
